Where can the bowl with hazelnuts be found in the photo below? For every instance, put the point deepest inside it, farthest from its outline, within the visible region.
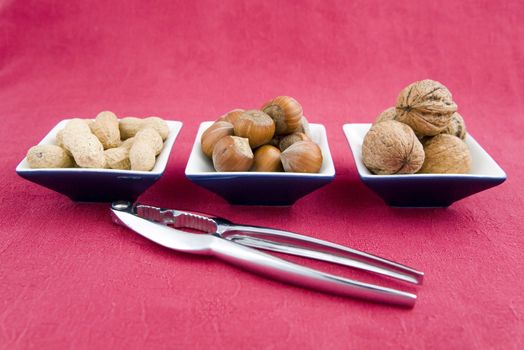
(102, 159)
(266, 156)
(419, 153)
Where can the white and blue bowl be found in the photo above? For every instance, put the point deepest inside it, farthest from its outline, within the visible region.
(426, 190)
(99, 185)
(259, 188)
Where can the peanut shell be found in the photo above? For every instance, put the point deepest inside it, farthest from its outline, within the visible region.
(146, 146)
(152, 137)
(158, 124)
(48, 156)
(85, 147)
(118, 158)
(105, 128)
(129, 126)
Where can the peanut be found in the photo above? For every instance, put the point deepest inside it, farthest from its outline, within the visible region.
(60, 141)
(129, 126)
(147, 144)
(105, 128)
(159, 125)
(85, 147)
(48, 156)
(118, 157)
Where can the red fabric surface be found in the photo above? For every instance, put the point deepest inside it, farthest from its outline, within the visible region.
(69, 278)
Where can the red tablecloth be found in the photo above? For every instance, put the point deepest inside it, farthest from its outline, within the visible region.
(69, 278)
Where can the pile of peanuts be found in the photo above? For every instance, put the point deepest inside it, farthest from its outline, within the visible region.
(105, 142)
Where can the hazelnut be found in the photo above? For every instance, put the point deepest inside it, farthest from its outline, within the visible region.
(214, 133)
(388, 114)
(446, 154)
(391, 147)
(304, 127)
(267, 158)
(275, 141)
(231, 116)
(456, 126)
(426, 106)
(256, 126)
(302, 157)
(291, 139)
(232, 153)
(286, 112)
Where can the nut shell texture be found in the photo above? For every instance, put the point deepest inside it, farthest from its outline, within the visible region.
(256, 126)
(105, 127)
(85, 147)
(302, 157)
(213, 134)
(267, 158)
(158, 124)
(286, 112)
(391, 147)
(290, 139)
(232, 116)
(446, 154)
(48, 156)
(232, 153)
(150, 136)
(118, 158)
(142, 156)
(388, 114)
(129, 126)
(426, 106)
(456, 127)
(146, 146)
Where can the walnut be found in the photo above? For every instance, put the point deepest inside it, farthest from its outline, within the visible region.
(456, 126)
(446, 154)
(426, 106)
(391, 147)
(388, 114)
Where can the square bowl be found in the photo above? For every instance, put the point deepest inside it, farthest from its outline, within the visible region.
(259, 188)
(426, 190)
(98, 185)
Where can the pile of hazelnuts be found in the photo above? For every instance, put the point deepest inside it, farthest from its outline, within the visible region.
(272, 139)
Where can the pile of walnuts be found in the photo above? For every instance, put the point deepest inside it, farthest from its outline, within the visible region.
(423, 133)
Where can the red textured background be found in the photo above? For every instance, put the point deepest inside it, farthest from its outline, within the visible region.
(69, 278)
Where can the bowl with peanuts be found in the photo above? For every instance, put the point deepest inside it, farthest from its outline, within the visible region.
(102, 159)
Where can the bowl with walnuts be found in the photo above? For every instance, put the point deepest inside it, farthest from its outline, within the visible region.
(102, 159)
(266, 156)
(419, 153)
